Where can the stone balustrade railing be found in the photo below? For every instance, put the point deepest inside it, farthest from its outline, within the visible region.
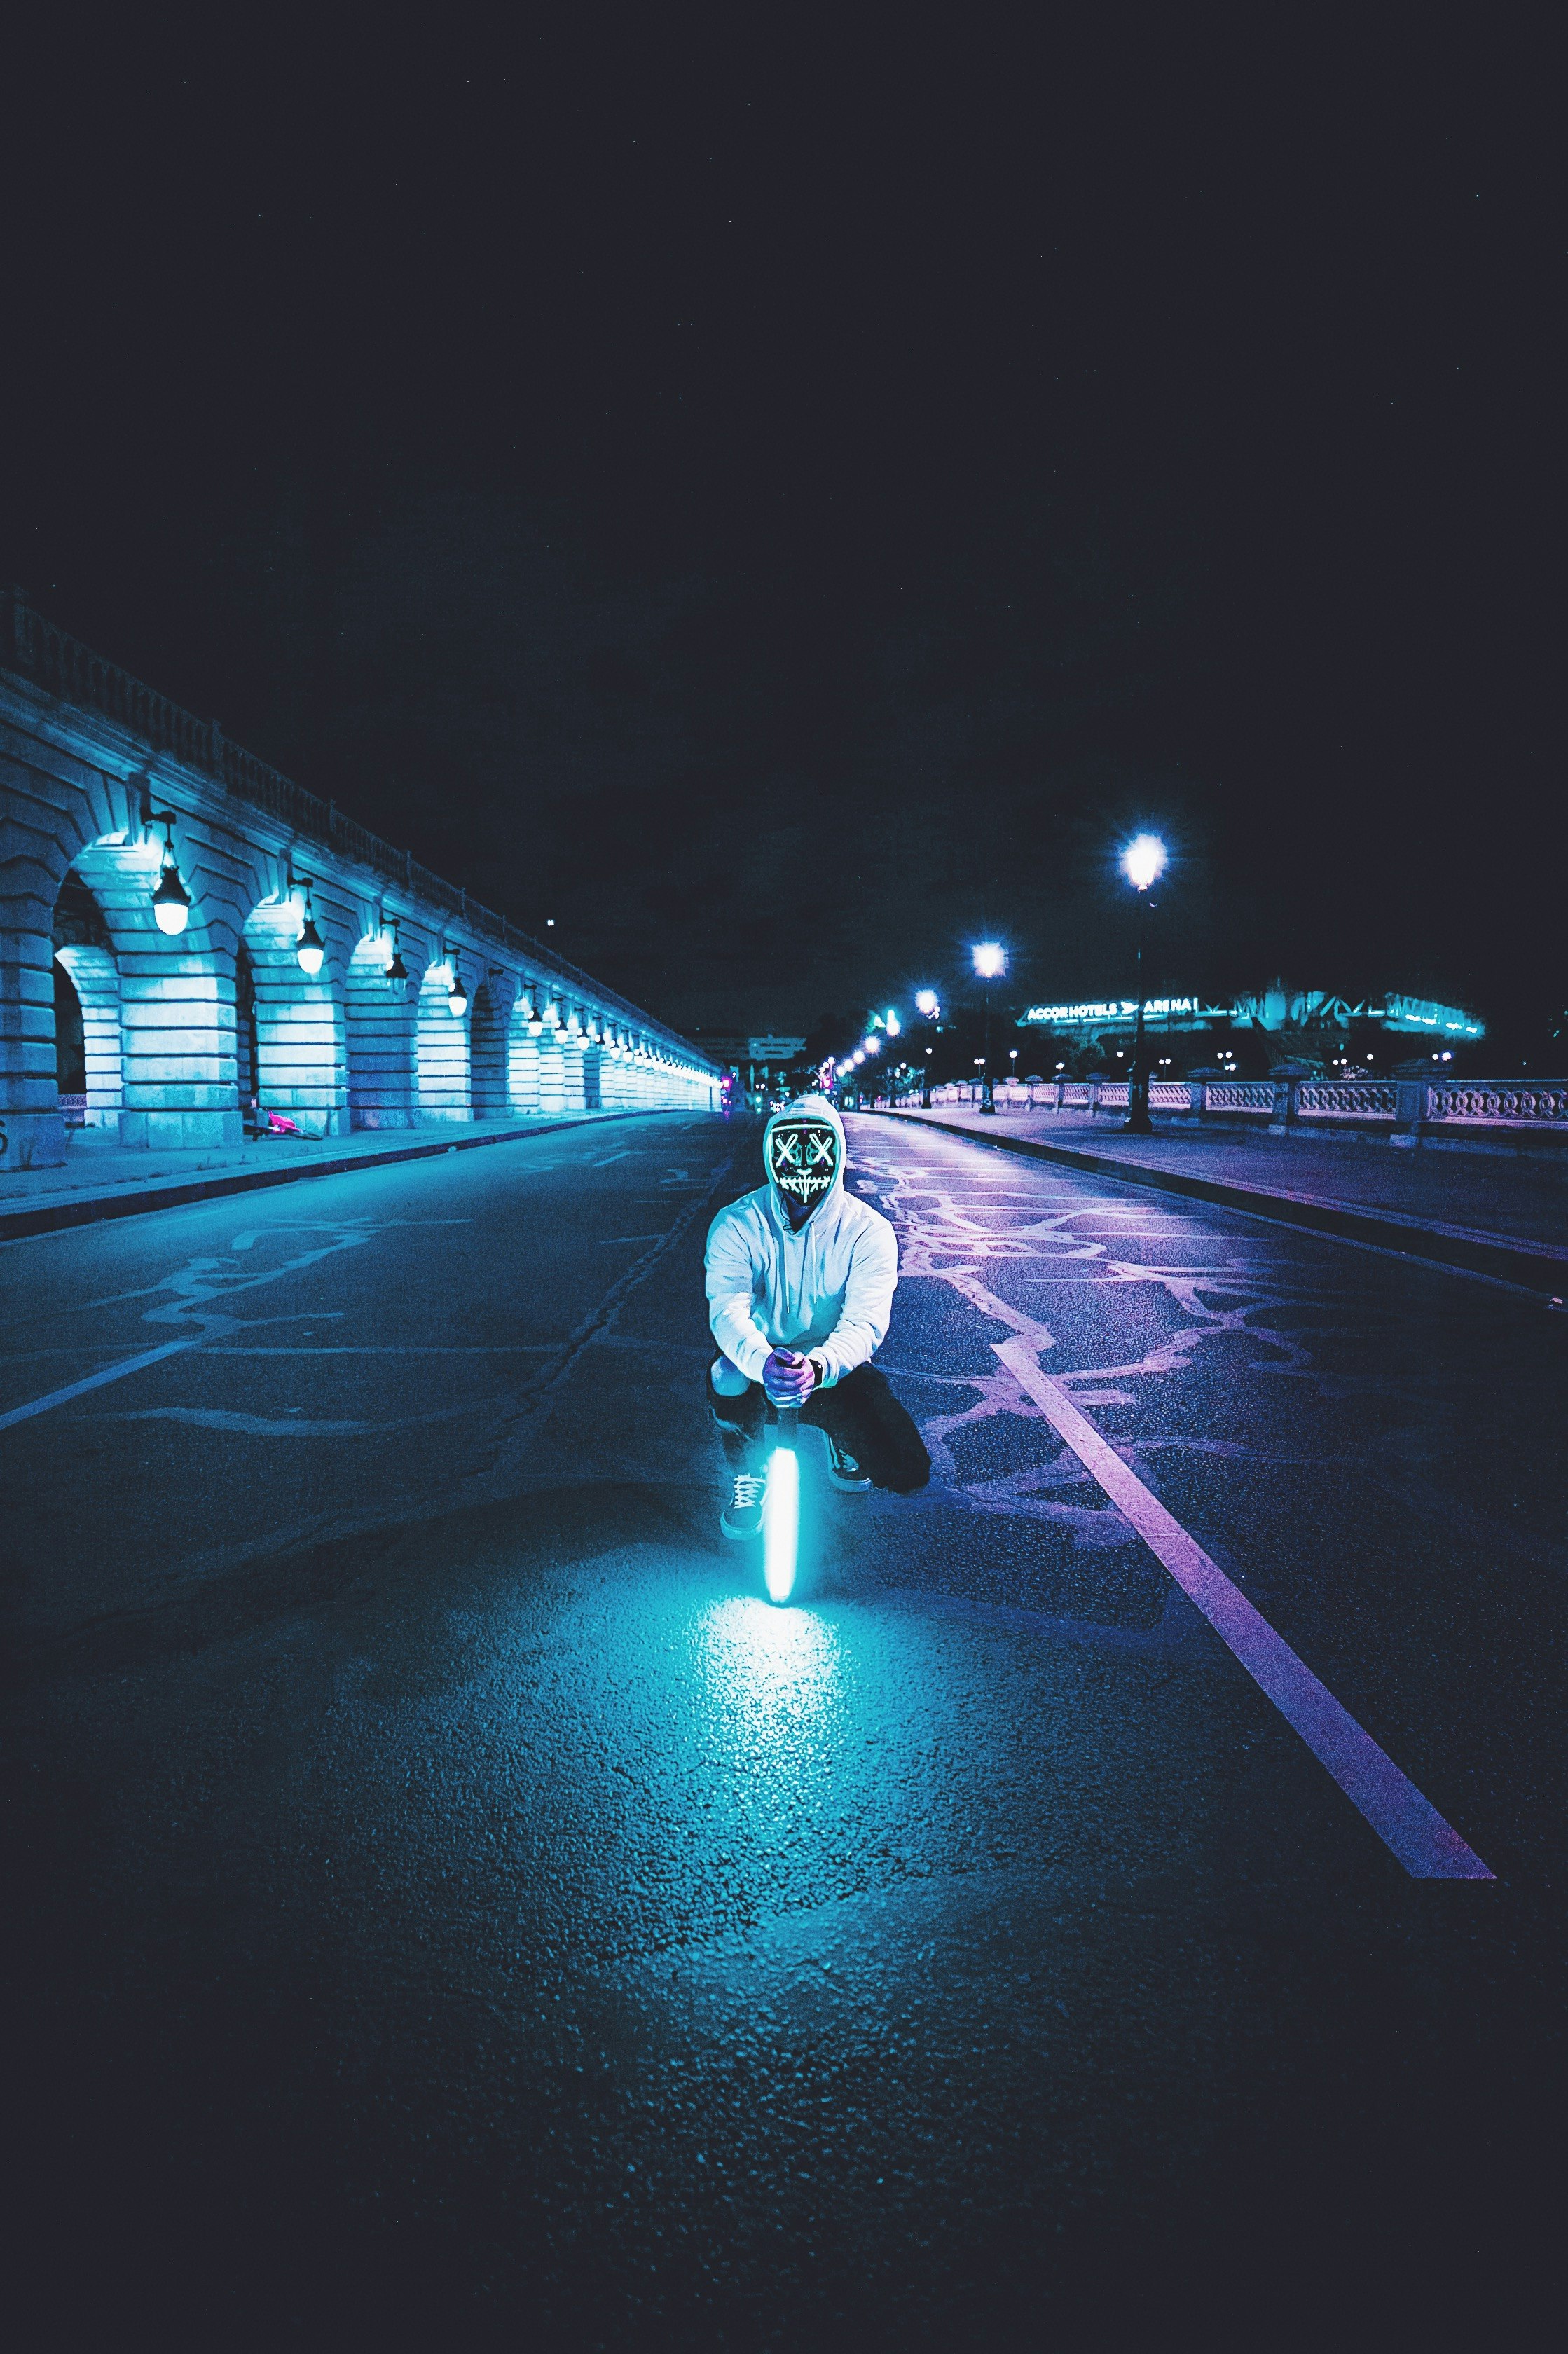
(1404, 1110)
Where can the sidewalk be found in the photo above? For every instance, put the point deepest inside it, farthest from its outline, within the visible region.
(1507, 1218)
(98, 1181)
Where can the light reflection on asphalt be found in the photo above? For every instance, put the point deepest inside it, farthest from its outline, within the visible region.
(773, 1676)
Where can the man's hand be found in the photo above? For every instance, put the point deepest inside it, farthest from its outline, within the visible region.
(788, 1379)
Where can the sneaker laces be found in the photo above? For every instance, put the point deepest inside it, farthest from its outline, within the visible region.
(749, 1490)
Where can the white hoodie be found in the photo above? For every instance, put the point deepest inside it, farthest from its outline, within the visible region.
(826, 1291)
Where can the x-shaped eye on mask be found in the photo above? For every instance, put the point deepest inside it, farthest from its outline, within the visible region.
(804, 1160)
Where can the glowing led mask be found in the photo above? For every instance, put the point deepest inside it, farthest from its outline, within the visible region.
(803, 1159)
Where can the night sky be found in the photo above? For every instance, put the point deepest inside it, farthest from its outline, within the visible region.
(783, 495)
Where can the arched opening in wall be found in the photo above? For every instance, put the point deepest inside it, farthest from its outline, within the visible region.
(440, 1050)
(523, 1056)
(70, 1048)
(168, 1012)
(247, 1049)
(88, 1058)
(299, 1047)
(379, 1020)
(488, 1052)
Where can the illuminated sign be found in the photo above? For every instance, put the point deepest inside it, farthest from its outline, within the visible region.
(1419, 1013)
(1125, 1009)
(1273, 1009)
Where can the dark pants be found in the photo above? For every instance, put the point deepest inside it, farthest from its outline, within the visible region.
(860, 1413)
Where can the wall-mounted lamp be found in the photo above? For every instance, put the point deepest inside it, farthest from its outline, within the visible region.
(170, 900)
(309, 948)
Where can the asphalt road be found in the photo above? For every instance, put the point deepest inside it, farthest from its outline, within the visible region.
(446, 1901)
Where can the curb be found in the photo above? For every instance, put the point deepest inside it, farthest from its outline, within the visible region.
(55, 1217)
(1542, 1273)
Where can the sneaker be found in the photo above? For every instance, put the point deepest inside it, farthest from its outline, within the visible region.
(844, 1471)
(742, 1516)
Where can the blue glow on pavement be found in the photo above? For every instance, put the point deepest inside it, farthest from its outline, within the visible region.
(775, 1674)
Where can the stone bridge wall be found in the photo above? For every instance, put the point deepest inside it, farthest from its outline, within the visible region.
(180, 1035)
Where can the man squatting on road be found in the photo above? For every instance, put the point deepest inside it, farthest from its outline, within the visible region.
(801, 1278)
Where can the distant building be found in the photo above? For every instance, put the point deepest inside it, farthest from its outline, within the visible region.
(760, 1063)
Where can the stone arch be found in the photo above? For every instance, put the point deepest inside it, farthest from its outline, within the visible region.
(87, 1012)
(487, 1051)
(247, 1037)
(379, 1021)
(551, 1059)
(524, 1031)
(301, 1064)
(441, 1049)
(574, 1048)
(618, 1080)
(70, 1047)
(162, 1003)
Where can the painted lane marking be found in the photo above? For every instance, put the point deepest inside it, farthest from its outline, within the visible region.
(608, 1156)
(1408, 1824)
(97, 1380)
(396, 1348)
(257, 1425)
(198, 1280)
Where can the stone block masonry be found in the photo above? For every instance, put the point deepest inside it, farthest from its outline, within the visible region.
(188, 1037)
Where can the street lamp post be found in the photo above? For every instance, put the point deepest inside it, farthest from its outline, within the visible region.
(1143, 862)
(929, 1006)
(990, 962)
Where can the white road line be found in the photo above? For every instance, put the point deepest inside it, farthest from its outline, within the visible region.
(1408, 1824)
(608, 1156)
(99, 1380)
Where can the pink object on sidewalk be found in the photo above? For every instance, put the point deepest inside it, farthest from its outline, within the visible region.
(282, 1127)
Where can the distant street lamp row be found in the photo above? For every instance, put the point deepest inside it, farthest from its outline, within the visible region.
(1143, 862)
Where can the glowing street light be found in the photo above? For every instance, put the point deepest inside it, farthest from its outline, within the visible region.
(893, 1025)
(990, 963)
(457, 995)
(1142, 862)
(310, 949)
(396, 970)
(872, 1045)
(171, 901)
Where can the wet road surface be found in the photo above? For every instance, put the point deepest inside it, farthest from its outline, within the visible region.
(447, 1898)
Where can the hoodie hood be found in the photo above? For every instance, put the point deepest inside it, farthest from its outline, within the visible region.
(803, 1155)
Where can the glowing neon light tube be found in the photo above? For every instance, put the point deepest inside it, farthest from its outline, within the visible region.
(781, 1523)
